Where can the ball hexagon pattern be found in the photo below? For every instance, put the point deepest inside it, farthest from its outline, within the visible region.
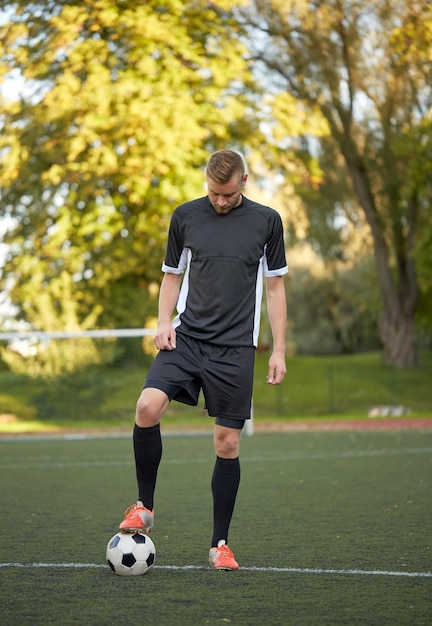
(130, 554)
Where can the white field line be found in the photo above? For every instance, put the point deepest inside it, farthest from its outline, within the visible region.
(49, 462)
(282, 570)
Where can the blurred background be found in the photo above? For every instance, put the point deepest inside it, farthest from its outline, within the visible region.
(108, 113)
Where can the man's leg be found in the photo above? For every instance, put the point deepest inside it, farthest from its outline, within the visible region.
(225, 480)
(225, 483)
(147, 442)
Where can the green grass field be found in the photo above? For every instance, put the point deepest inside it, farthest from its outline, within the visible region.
(330, 528)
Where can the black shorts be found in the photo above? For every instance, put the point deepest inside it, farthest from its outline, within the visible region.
(225, 376)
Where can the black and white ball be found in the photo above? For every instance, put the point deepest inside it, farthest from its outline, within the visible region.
(130, 554)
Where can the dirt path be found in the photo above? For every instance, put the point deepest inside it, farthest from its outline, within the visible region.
(395, 423)
(316, 425)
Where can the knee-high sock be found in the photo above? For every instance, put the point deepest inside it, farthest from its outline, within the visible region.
(224, 484)
(148, 453)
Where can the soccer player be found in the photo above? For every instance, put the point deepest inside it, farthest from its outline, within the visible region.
(219, 249)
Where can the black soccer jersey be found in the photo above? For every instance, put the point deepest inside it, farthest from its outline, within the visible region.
(224, 259)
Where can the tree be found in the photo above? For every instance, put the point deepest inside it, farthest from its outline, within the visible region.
(366, 69)
(335, 305)
(50, 359)
(121, 102)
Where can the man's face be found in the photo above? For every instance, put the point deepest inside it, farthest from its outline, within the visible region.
(225, 197)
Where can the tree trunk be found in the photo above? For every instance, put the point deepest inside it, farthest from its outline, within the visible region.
(397, 335)
(399, 291)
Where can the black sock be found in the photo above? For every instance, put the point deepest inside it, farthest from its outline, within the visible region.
(225, 483)
(148, 453)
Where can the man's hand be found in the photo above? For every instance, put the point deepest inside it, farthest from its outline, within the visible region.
(165, 338)
(277, 368)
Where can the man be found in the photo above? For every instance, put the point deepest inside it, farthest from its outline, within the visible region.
(222, 244)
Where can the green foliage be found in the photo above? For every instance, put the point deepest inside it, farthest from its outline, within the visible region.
(121, 101)
(362, 82)
(57, 310)
(335, 311)
(50, 360)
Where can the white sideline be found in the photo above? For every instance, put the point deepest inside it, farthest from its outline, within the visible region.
(286, 570)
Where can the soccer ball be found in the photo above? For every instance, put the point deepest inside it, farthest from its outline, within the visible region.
(130, 554)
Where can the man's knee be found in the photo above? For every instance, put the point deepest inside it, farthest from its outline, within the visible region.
(227, 442)
(150, 407)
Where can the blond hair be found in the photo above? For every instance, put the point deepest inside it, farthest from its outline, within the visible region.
(223, 165)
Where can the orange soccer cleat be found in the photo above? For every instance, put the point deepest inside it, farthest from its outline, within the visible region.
(222, 558)
(137, 519)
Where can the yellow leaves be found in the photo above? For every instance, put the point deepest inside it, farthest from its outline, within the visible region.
(295, 119)
(70, 19)
(11, 36)
(285, 7)
(108, 16)
(412, 40)
(77, 145)
(147, 341)
(228, 5)
(54, 175)
(11, 151)
(70, 83)
(132, 95)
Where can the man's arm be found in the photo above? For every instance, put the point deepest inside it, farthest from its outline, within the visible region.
(165, 338)
(277, 313)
